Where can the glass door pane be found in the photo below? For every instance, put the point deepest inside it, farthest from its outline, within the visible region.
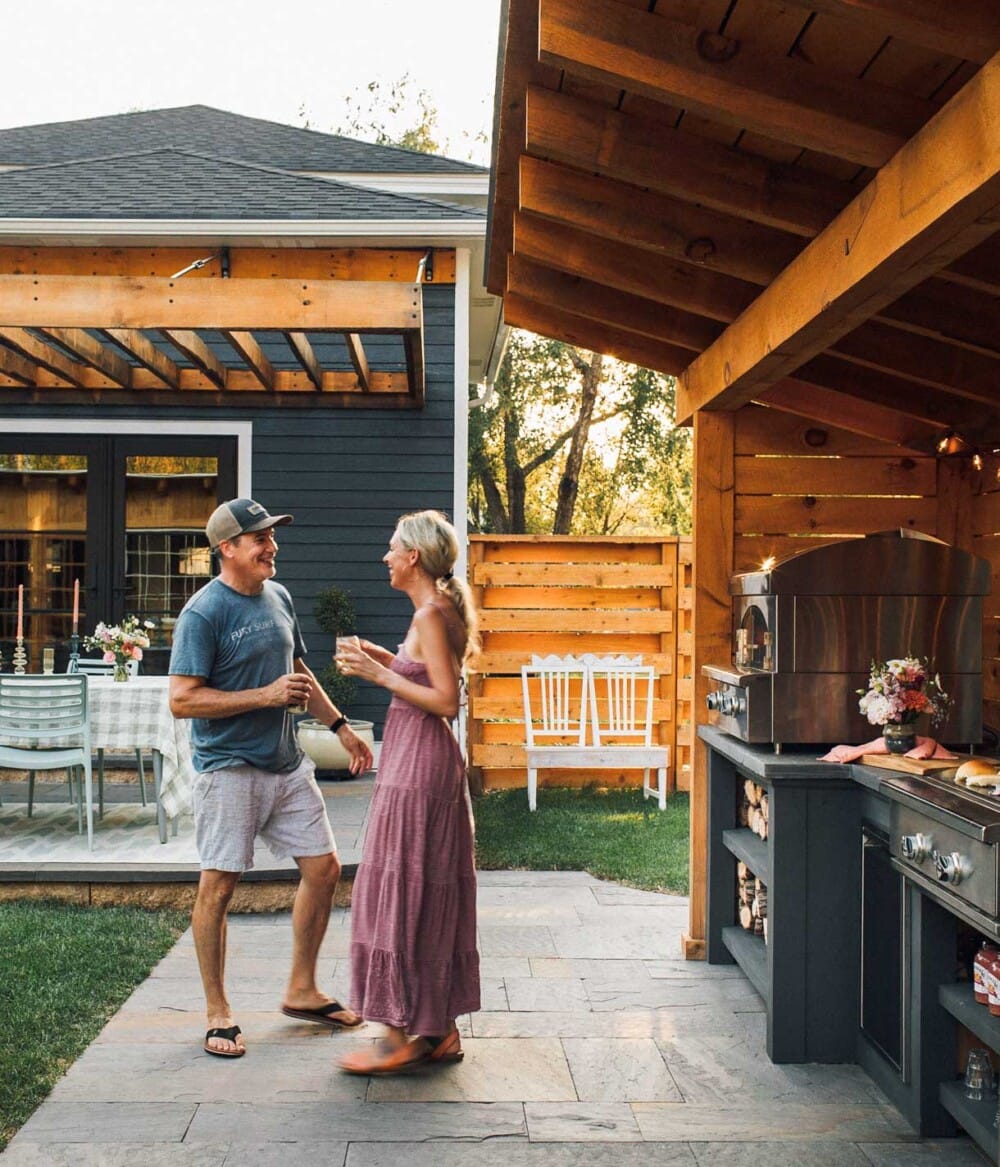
(167, 502)
(43, 527)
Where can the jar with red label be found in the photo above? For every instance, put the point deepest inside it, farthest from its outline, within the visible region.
(986, 954)
(992, 980)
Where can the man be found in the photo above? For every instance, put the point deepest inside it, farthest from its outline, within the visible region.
(236, 670)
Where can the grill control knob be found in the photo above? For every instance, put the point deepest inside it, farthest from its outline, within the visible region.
(951, 868)
(714, 699)
(916, 848)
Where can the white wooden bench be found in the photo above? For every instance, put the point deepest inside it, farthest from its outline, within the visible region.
(589, 713)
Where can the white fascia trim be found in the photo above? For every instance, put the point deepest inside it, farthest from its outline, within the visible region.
(438, 230)
(241, 430)
(460, 442)
(418, 184)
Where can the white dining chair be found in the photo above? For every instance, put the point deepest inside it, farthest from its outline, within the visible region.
(37, 715)
(93, 667)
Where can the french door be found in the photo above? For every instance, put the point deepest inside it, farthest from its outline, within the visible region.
(123, 515)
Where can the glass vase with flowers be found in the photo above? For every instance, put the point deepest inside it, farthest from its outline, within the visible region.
(899, 691)
(120, 644)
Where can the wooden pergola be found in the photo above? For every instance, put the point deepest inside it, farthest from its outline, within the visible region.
(792, 207)
(295, 327)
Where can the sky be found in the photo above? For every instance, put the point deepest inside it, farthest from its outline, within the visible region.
(283, 60)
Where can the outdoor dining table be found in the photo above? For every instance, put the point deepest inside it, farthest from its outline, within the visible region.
(135, 715)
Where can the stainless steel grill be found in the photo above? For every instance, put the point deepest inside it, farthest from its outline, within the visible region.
(806, 631)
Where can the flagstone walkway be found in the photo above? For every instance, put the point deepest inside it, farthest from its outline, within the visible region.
(596, 1045)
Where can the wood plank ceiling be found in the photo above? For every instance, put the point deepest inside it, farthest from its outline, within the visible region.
(795, 203)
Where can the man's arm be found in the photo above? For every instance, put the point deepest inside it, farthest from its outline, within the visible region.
(191, 696)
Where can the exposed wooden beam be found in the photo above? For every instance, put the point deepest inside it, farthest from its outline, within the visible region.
(533, 281)
(303, 350)
(851, 413)
(521, 68)
(978, 269)
(43, 355)
(936, 407)
(251, 353)
(17, 368)
(647, 153)
(589, 334)
(949, 312)
(970, 31)
(359, 360)
(413, 347)
(630, 269)
(198, 352)
(928, 362)
(933, 202)
(83, 346)
(717, 77)
(668, 226)
(30, 301)
(146, 353)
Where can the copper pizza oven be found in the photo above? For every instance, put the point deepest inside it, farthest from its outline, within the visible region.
(805, 632)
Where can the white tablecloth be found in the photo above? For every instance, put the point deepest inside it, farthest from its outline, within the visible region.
(135, 714)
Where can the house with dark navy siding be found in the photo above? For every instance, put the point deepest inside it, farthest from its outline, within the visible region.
(196, 305)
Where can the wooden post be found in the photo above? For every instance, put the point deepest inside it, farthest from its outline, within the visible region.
(713, 565)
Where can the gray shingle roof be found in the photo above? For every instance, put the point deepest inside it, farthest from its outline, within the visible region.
(215, 132)
(180, 184)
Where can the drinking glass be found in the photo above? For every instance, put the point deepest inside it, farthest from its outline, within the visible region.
(978, 1074)
(48, 660)
(345, 642)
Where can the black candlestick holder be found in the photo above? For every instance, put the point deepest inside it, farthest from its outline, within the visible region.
(74, 654)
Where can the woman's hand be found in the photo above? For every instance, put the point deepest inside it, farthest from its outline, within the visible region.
(353, 661)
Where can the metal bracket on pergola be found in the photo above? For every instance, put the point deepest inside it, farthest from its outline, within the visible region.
(315, 340)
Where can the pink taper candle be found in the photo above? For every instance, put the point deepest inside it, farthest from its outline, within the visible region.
(20, 611)
(76, 606)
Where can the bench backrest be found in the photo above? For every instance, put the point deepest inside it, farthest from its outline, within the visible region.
(555, 703)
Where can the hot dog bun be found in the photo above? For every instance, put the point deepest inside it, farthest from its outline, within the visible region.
(978, 772)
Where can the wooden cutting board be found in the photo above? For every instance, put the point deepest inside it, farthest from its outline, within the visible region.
(939, 767)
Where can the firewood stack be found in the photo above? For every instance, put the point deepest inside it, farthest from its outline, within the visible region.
(752, 900)
(753, 810)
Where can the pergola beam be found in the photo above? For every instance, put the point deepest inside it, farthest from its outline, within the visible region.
(17, 367)
(198, 352)
(43, 355)
(39, 301)
(935, 200)
(250, 352)
(776, 95)
(359, 360)
(91, 352)
(970, 31)
(304, 354)
(146, 353)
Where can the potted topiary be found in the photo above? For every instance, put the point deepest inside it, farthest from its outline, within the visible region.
(334, 612)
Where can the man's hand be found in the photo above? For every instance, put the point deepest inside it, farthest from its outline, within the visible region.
(361, 755)
(290, 689)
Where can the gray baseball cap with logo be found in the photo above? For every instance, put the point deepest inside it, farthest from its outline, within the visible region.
(238, 517)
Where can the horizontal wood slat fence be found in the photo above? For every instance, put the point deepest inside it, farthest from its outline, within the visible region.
(538, 595)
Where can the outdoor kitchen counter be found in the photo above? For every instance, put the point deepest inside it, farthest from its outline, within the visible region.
(826, 823)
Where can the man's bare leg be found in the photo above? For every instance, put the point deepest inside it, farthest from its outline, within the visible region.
(208, 924)
(310, 917)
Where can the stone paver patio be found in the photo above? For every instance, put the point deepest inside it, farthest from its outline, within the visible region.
(596, 1045)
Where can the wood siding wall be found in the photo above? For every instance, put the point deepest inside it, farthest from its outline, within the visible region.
(346, 475)
(561, 594)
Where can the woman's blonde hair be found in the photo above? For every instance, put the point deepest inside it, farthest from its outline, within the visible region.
(436, 542)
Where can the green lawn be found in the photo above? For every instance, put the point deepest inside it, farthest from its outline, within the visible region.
(613, 834)
(65, 971)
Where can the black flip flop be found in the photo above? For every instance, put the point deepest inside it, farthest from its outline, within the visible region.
(322, 1016)
(230, 1034)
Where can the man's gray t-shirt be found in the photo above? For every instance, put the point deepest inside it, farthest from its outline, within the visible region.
(240, 642)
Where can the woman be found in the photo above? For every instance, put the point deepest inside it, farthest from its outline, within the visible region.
(414, 965)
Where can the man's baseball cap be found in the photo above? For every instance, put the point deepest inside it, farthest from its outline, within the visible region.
(237, 517)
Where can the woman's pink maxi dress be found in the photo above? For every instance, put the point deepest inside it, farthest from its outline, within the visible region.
(414, 963)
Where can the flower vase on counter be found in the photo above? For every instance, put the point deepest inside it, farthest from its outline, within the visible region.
(900, 737)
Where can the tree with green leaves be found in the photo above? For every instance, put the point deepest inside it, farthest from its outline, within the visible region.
(573, 442)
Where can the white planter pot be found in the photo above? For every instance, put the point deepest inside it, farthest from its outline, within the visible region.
(324, 747)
